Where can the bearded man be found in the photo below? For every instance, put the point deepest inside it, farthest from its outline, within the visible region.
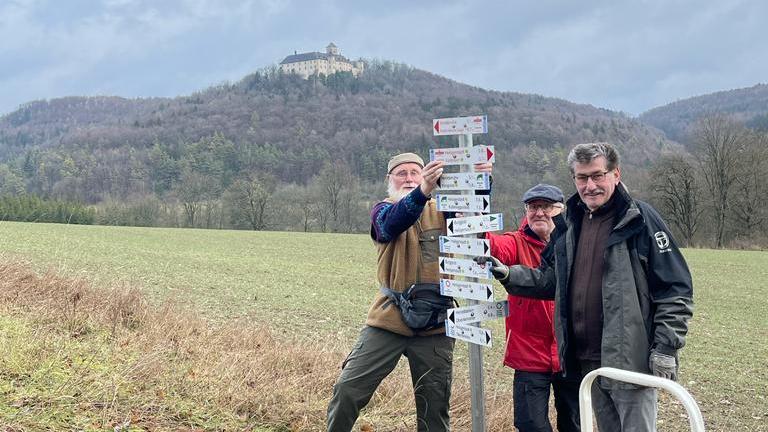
(406, 228)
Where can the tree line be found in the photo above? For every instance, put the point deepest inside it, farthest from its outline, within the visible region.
(714, 196)
(276, 152)
(711, 195)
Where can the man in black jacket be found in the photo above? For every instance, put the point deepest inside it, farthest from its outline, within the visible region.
(622, 289)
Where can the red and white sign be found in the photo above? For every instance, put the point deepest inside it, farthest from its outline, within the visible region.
(460, 125)
(464, 155)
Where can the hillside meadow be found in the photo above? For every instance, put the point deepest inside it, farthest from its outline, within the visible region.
(120, 328)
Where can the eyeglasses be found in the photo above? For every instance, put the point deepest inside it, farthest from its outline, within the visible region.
(582, 179)
(402, 174)
(547, 208)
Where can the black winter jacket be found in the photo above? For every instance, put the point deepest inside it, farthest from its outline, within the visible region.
(647, 288)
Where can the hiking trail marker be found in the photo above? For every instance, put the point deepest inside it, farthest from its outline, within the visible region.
(464, 155)
(463, 203)
(478, 312)
(475, 224)
(460, 125)
(464, 181)
(465, 246)
(477, 337)
(466, 290)
(475, 280)
(465, 267)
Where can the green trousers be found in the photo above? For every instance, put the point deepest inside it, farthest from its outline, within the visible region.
(374, 356)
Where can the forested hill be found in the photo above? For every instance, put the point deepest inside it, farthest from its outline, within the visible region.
(747, 105)
(304, 123)
(287, 129)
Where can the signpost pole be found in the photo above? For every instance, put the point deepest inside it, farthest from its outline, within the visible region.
(471, 287)
(475, 350)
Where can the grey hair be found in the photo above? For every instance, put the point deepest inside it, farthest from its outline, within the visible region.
(586, 153)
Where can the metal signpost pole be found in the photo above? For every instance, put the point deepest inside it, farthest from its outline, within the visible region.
(475, 351)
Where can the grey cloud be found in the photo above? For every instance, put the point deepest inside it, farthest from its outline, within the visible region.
(629, 55)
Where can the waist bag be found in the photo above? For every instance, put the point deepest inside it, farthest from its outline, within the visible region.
(421, 305)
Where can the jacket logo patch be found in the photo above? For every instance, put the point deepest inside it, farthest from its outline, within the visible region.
(662, 241)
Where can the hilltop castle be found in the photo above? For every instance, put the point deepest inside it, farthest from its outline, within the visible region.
(306, 64)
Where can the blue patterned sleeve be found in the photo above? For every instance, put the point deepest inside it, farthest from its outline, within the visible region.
(389, 220)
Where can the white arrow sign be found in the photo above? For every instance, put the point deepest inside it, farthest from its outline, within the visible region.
(475, 224)
(464, 181)
(463, 155)
(466, 289)
(471, 334)
(465, 246)
(460, 125)
(463, 203)
(479, 312)
(465, 267)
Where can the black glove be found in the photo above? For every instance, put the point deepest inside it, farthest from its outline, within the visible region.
(663, 365)
(499, 270)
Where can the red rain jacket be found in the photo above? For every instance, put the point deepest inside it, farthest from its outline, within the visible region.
(531, 344)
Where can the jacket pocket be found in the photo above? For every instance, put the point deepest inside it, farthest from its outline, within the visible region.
(430, 248)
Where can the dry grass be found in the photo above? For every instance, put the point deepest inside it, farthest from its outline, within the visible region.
(109, 360)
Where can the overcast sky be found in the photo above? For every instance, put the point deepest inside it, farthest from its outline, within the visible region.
(626, 56)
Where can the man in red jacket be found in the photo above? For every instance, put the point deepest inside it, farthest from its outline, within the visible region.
(531, 345)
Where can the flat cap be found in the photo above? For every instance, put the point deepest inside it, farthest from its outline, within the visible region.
(404, 158)
(544, 192)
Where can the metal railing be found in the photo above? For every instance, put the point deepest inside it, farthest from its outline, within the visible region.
(585, 394)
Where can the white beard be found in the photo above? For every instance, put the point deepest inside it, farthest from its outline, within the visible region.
(396, 195)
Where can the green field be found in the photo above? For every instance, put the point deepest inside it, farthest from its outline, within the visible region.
(318, 286)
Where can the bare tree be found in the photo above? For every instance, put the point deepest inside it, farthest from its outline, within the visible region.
(674, 185)
(750, 193)
(194, 190)
(720, 146)
(333, 179)
(251, 197)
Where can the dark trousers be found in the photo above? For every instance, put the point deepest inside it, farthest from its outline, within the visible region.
(531, 399)
(374, 356)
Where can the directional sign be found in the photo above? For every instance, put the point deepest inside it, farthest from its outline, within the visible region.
(475, 224)
(465, 246)
(463, 155)
(466, 290)
(464, 267)
(464, 181)
(478, 312)
(472, 334)
(463, 203)
(460, 125)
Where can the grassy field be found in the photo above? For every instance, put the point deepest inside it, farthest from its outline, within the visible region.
(315, 289)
